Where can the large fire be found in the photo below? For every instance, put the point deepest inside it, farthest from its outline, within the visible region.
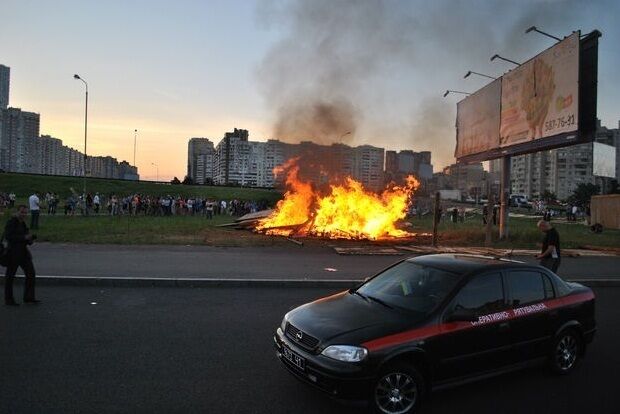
(346, 211)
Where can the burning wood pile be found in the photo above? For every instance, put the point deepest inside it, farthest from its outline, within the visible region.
(344, 211)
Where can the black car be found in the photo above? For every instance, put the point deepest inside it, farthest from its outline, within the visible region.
(435, 321)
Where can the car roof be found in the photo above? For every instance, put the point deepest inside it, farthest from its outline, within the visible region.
(464, 263)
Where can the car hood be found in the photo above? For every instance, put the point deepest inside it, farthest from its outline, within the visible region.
(345, 318)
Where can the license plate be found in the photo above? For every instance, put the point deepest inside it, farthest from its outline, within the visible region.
(293, 358)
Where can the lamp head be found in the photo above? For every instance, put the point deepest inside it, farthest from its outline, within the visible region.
(446, 94)
(494, 57)
(467, 74)
(76, 76)
(530, 29)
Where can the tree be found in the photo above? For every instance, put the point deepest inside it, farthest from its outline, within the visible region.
(548, 196)
(583, 193)
(187, 180)
(175, 180)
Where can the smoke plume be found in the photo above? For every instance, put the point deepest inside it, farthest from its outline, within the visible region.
(365, 71)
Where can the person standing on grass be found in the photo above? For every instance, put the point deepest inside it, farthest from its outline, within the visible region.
(18, 238)
(574, 213)
(550, 253)
(209, 210)
(96, 203)
(33, 201)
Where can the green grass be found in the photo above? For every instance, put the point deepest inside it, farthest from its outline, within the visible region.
(24, 184)
(174, 230)
(522, 233)
(197, 230)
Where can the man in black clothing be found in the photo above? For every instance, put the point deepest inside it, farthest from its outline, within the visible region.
(550, 253)
(19, 237)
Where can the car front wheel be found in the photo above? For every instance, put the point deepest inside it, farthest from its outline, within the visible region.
(398, 390)
(566, 351)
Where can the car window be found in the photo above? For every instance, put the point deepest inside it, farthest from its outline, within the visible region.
(483, 294)
(525, 287)
(549, 294)
(411, 286)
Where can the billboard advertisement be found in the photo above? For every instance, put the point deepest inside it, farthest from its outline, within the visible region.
(603, 160)
(547, 102)
(478, 120)
(540, 98)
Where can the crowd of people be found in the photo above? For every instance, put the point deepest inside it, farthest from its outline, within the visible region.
(570, 211)
(139, 204)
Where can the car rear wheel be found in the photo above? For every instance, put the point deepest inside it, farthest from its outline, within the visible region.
(398, 390)
(566, 351)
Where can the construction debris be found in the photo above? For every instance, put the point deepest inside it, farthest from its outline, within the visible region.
(368, 250)
(248, 221)
(482, 251)
(297, 242)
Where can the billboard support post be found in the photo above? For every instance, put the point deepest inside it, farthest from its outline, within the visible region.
(436, 217)
(505, 197)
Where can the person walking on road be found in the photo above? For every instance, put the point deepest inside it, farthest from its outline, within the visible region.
(33, 200)
(550, 252)
(18, 237)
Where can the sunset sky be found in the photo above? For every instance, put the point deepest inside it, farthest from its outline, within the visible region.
(175, 70)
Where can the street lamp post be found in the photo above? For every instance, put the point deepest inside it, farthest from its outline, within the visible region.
(157, 167)
(496, 56)
(76, 76)
(135, 136)
(535, 29)
(449, 91)
(471, 72)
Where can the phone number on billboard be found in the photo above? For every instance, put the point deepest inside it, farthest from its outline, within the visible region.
(560, 122)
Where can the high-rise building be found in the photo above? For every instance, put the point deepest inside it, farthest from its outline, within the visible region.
(400, 165)
(51, 156)
(200, 160)
(368, 166)
(23, 151)
(470, 179)
(19, 135)
(231, 158)
(238, 161)
(5, 83)
(127, 171)
(561, 170)
(103, 166)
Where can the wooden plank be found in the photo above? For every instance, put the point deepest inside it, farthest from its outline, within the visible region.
(256, 216)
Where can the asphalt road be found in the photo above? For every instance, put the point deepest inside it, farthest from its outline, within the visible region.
(308, 262)
(174, 350)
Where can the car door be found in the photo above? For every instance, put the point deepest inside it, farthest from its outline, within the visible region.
(532, 320)
(469, 347)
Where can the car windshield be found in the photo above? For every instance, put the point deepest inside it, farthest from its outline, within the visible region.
(410, 286)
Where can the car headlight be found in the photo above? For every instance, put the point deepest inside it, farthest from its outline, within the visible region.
(346, 353)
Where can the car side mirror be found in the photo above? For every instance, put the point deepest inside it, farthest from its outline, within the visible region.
(458, 315)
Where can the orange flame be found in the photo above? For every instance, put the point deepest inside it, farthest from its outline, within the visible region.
(348, 211)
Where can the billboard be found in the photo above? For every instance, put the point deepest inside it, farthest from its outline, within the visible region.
(540, 97)
(478, 120)
(547, 102)
(603, 160)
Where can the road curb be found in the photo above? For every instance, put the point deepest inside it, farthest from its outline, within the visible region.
(190, 282)
(221, 282)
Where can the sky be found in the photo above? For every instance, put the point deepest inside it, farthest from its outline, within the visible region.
(176, 70)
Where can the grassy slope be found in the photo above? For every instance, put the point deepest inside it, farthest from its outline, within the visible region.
(24, 184)
(522, 233)
(197, 230)
(188, 230)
